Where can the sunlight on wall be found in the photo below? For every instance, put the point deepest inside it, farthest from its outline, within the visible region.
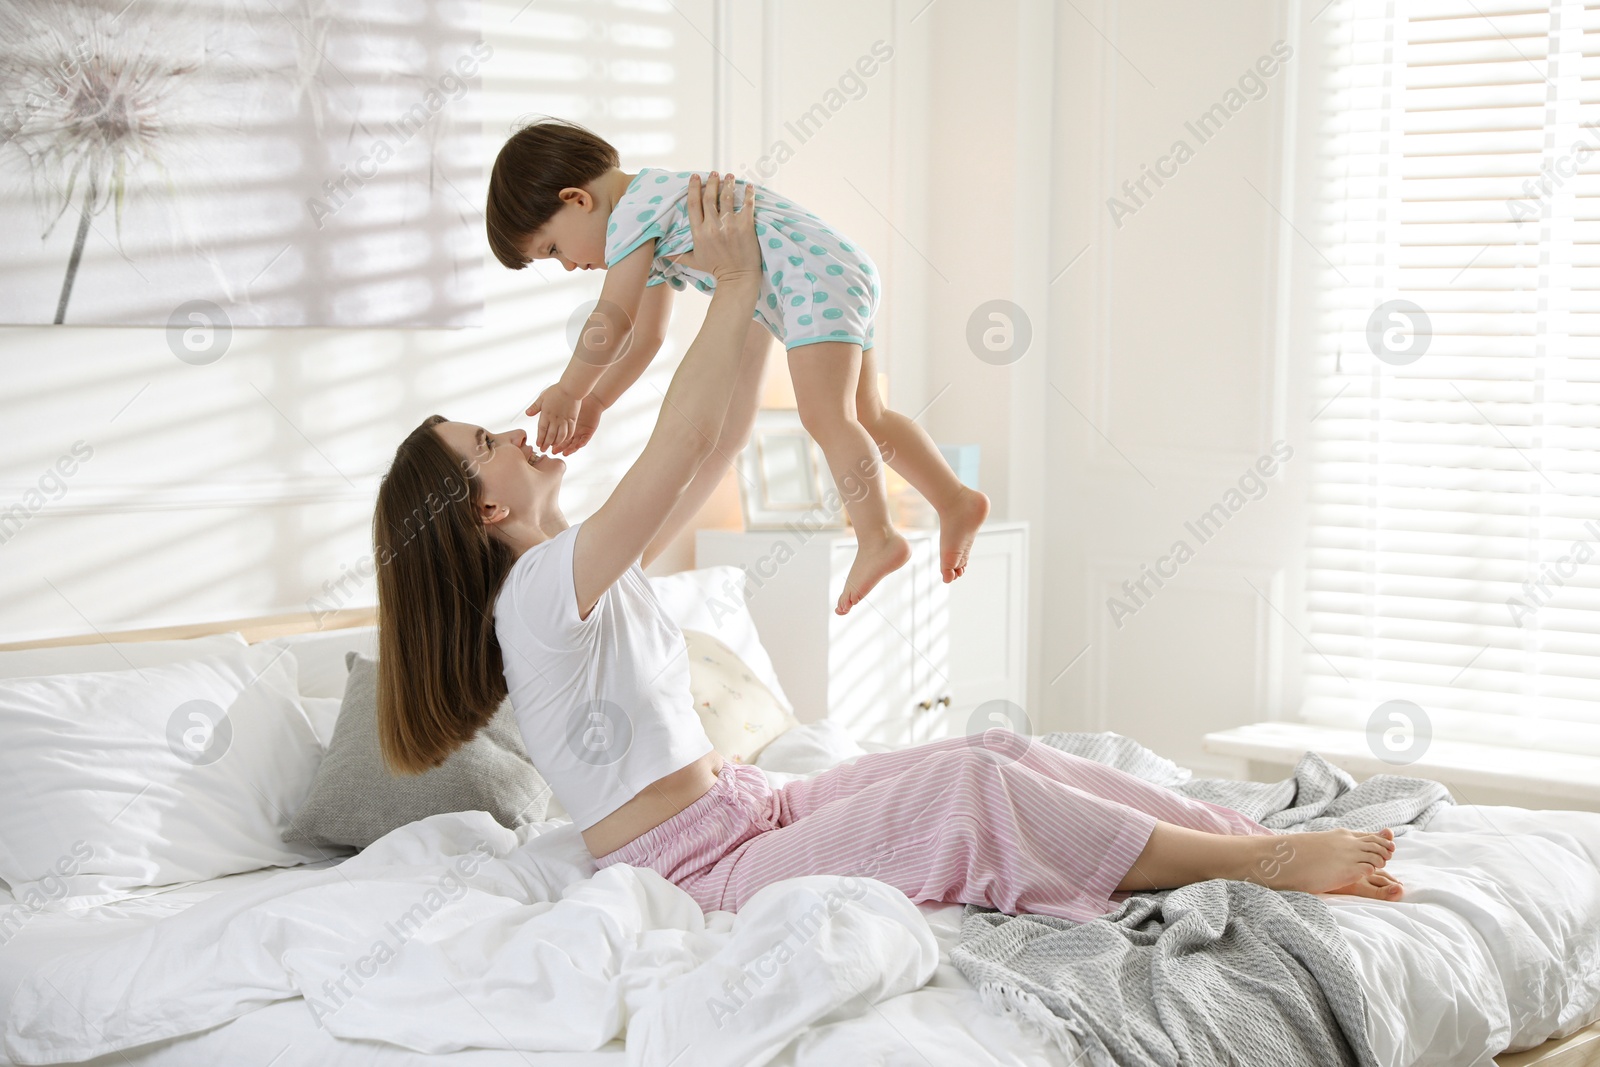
(244, 486)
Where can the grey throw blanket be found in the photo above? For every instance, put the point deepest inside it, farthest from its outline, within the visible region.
(1216, 973)
(1318, 796)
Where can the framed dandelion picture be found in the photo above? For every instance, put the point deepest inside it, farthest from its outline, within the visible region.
(265, 162)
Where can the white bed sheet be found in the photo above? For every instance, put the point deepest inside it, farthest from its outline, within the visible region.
(1497, 944)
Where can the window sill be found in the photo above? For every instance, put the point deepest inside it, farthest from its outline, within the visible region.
(1545, 779)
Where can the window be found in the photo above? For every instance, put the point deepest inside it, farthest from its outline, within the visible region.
(1454, 559)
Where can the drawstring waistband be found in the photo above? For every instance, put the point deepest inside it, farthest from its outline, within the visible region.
(726, 789)
(730, 795)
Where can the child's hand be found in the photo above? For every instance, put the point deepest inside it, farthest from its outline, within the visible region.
(558, 417)
(588, 419)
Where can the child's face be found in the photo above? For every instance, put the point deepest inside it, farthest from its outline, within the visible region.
(575, 236)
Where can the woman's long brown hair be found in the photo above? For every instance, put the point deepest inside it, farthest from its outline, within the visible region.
(439, 669)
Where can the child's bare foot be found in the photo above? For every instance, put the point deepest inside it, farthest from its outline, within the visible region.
(872, 562)
(1328, 861)
(958, 525)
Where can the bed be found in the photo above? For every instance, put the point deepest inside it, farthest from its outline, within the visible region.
(1497, 947)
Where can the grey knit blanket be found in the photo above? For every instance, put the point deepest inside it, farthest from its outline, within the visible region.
(1215, 973)
(1317, 796)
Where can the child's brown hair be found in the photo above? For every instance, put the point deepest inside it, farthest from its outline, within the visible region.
(534, 165)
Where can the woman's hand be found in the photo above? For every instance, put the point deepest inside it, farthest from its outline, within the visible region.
(725, 244)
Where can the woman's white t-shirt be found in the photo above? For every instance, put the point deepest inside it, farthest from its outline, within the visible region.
(603, 702)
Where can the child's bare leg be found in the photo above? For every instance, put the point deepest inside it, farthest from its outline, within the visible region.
(737, 423)
(825, 376)
(1330, 861)
(910, 451)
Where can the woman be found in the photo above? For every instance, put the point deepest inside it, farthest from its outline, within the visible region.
(486, 589)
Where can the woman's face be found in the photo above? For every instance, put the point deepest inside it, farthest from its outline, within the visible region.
(512, 476)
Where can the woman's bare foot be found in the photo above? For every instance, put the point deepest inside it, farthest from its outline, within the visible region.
(958, 525)
(1328, 861)
(1379, 885)
(872, 562)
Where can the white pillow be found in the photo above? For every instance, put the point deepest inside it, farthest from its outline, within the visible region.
(113, 656)
(324, 715)
(712, 601)
(320, 657)
(810, 748)
(116, 781)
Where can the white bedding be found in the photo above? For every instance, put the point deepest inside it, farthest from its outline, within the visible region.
(1497, 944)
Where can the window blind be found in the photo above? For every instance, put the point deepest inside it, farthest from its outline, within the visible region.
(1454, 557)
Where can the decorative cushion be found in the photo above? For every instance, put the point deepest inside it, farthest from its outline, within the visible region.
(713, 601)
(355, 799)
(739, 713)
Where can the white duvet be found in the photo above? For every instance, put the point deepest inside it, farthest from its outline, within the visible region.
(455, 933)
(1496, 945)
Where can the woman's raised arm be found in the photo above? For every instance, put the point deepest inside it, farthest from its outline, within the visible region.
(613, 538)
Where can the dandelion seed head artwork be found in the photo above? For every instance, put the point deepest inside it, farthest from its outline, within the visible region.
(291, 162)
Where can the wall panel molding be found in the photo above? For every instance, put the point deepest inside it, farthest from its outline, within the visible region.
(1105, 574)
(88, 498)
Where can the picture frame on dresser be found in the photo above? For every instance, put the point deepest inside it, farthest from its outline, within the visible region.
(783, 478)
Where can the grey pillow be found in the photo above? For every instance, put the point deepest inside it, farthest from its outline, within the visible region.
(355, 799)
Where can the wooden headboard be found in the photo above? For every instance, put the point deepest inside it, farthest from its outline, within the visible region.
(255, 629)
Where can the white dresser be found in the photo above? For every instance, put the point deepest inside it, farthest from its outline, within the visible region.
(911, 662)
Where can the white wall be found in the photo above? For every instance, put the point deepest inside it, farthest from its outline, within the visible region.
(243, 487)
(975, 164)
(1158, 373)
(1170, 378)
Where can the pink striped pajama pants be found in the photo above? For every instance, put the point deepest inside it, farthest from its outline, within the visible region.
(998, 820)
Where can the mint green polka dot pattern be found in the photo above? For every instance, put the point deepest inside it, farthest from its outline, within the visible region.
(825, 271)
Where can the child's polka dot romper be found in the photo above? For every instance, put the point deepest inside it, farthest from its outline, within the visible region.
(816, 284)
